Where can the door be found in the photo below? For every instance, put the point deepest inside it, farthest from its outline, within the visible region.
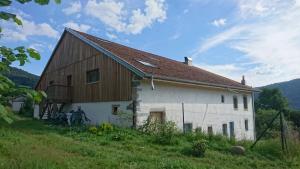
(69, 87)
(157, 117)
(69, 80)
(231, 127)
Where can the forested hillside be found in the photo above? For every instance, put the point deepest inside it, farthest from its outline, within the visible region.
(21, 77)
(291, 90)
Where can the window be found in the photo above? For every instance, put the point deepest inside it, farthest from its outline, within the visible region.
(235, 102)
(210, 130)
(246, 125)
(245, 100)
(224, 129)
(188, 127)
(146, 63)
(222, 98)
(92, 76)
(51, 82)
(115, 109)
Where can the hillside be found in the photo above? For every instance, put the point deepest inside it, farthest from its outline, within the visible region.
(31, 144)
(291, 90)
(21, 77)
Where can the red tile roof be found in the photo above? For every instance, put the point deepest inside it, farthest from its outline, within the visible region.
(164, 68)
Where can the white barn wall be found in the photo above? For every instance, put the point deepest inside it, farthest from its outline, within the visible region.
(100, 112)
(197, 101)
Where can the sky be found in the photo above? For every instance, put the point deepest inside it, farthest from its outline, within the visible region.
(256, 38)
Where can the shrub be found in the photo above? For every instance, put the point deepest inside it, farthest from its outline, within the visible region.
(118, 136)
(27, 109)
(93, 130)
(199, 147)
(163, 133)
(106, 127)
(166, 133)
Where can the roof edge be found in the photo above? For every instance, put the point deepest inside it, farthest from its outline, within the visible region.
(51, 57)
(163, 78)
(108, 53)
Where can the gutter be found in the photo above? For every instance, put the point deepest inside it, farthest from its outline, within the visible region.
(177, 80)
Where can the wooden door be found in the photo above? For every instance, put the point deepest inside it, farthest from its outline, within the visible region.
(157, 117)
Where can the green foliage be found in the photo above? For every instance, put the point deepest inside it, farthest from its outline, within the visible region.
(21, 77)
(93, 130)
(27, 109)
(199, 147)
(8, 90)
(271, 99)
(23, 145)
(106, 127)
(162, 133)
(262, 118)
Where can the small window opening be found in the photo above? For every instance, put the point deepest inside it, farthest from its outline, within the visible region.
(222, 99)
(245, 100)
(188, 127)
(92, 76)
(210, 130)
(235, 102)
(246, 125)
(224, 129)
(115, 109)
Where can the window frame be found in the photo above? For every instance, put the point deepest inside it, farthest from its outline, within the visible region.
(92, 71)
(210, 132)
(235, 104)
(245, 98)
(246, 122)
(225, 130)
(113, 111)
(222, 98)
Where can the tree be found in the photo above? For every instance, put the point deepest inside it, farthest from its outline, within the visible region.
(8, 89)
(271, 99)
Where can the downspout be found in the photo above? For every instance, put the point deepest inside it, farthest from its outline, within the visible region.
(253, 110)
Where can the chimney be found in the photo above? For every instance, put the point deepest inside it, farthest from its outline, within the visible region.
(243, 82)
(188, 61)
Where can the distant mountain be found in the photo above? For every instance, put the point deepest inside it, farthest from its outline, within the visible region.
(291, 90)
(21, 77)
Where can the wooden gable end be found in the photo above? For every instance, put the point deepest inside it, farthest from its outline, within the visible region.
(75, 58)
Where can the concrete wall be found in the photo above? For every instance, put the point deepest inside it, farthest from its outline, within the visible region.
(16, 106)
(99, 112)
(202, 107)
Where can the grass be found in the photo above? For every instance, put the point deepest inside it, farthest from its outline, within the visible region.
(30, 144)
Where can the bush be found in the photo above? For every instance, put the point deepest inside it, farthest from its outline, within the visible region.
(118, 136)
(27, 109)
(199, 147)
(106, 127)
(93, 130)
(163, 133)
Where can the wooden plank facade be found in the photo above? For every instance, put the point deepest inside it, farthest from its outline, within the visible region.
(74, 58)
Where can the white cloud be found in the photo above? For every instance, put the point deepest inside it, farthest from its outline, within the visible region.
(75, 7)
(111, 35)
(114, 15)
(271, 43)
(78, 27)
(219, 22)
(29, 28)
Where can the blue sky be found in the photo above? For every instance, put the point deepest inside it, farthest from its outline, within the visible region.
(256, 38)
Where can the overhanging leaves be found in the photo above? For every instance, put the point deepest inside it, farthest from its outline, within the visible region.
(5, 2)
(7, 16)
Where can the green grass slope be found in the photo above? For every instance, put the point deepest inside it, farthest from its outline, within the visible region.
(28, 144)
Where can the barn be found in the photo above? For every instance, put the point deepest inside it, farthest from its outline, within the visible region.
(126, 86)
